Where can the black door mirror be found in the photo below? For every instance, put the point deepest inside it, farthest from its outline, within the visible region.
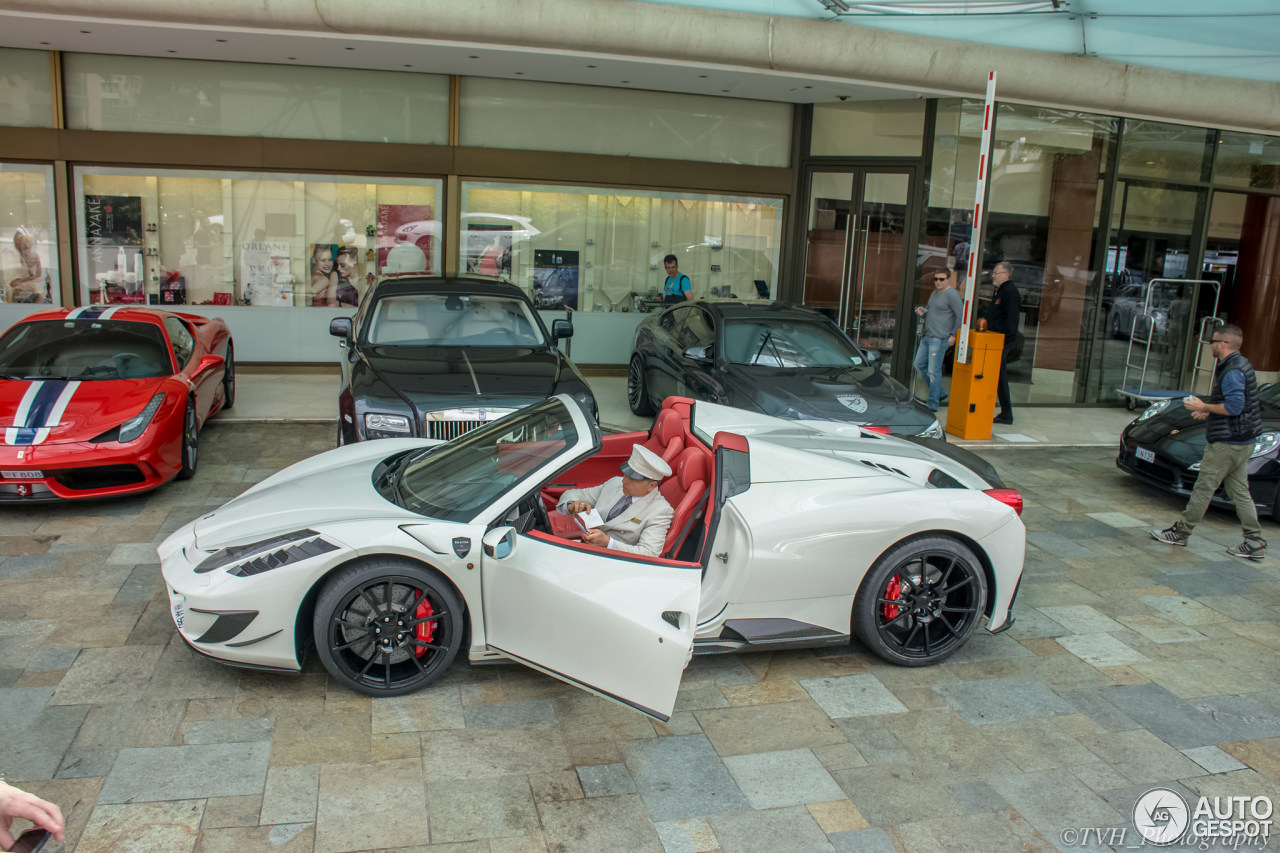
(699, 354)
(561, 329)
(340, 327)
(873, 355)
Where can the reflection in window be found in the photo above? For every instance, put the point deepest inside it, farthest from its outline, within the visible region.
(200, 238)
(1152, 149)
(787, 345)
(591, 249)
(440, 320)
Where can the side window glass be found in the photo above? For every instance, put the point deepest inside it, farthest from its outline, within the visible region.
(698, 331)
(181, 339)
(672, 319)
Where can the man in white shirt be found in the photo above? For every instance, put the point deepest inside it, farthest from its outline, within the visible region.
(636, 515)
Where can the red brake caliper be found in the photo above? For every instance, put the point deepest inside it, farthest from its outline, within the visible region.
(892, 591)
(424, 631)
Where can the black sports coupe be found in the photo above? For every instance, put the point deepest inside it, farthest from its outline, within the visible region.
(434, 357)
(1164, 446)
(769, 357)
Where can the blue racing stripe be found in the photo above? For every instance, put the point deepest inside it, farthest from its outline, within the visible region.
(41, 407)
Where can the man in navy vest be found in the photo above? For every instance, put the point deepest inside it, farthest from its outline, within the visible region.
(1234, 421)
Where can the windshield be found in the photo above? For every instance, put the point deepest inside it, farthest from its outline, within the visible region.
(84, 350)
(459, 479)
(451, 320)
(788, 343)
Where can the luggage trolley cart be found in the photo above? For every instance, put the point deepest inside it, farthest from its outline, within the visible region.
(1132, 396)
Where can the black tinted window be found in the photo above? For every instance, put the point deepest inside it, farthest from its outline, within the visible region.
(84, 349)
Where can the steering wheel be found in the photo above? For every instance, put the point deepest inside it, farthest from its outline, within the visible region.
(122, 361)
(544, 517)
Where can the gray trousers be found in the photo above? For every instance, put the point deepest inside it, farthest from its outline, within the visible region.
(1226, 465)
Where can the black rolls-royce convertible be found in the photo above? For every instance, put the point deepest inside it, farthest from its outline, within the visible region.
(433, 357)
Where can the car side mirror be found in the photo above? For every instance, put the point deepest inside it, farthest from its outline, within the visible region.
(499, 542)
(340, 327)
(560, 329)
(699, 354)
(873, 356)
(209, 362)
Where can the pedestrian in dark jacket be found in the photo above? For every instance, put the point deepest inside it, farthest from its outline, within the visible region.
(1001, 315)
(1234, 422)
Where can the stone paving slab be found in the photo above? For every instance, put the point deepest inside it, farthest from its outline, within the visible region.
(1131, 664)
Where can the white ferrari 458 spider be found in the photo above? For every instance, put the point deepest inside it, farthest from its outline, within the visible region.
(392, 556)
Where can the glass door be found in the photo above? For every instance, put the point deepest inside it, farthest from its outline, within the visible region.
(855, 258)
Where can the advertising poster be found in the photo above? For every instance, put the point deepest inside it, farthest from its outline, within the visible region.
(334, 272)
(264, 273)
(555, 279)
(113, 239)
(487, 249)
(23, 273)
(405, 224)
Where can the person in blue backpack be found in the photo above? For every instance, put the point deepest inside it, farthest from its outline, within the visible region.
(677, 287)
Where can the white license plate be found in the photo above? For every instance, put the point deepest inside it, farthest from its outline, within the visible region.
(178, 607)
(22, 475)
(1145, 455)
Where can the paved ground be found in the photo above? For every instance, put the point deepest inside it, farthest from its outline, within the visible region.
(1132, 664)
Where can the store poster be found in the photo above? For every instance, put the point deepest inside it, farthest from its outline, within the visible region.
(334, 275)
(113, 239)
(24, 268)
(555, 279)
(487, 250)
(264, 273)
(405, 224)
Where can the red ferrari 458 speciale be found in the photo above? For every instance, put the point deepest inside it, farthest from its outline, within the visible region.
(107, 400)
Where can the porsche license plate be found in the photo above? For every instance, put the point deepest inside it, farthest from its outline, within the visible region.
(1145, 455)
(178, 606)
(22, 475)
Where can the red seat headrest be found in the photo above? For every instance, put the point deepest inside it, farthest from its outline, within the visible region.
(691, 468)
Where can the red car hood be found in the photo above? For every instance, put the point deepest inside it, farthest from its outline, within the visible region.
(93, 408)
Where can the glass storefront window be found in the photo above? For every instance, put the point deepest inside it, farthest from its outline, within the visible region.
(622, 122)
(1247, 161)
(868, 129)
(28, 236)
(1152, 149)
(1041, 220)
(205, 238)
(26, 88)
(153, 95)
(594, 249)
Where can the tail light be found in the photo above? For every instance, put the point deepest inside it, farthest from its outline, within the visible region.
(1008, 497)
(883, 430)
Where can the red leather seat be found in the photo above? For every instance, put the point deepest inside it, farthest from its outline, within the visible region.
(667, 437)
(684, 490)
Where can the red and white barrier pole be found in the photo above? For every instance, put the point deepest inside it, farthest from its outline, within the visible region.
(975, 239)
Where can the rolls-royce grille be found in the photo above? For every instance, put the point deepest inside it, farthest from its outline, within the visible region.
(445, 430)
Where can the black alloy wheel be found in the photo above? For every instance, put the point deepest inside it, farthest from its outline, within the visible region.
(388, 626)
(637, 394)
(190, 442)
(920, 601)
(229, 378)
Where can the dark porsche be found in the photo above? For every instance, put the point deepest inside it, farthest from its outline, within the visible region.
(1165, 444)
(768, 357)
(434, 357)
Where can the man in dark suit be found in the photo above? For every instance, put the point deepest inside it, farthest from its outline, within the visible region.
(1001, 315)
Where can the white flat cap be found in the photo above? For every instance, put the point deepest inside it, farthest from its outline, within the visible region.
(644, 464)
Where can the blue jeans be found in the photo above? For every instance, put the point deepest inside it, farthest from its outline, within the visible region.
(929, 365)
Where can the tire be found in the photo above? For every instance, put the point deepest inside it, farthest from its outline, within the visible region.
(417, 650)
(190, 442)
(939, 614)
(637, 393)
(229, 378)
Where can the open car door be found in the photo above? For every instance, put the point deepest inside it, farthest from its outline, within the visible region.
(618, 625)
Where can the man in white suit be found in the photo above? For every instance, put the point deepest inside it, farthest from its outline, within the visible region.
(636, 515)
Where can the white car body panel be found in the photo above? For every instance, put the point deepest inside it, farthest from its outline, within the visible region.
(608, 634)
(825, 501)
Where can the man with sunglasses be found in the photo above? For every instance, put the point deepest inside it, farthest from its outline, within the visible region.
(941, 319)
(1234, 422)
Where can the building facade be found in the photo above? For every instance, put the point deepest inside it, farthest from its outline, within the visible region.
(271, 182)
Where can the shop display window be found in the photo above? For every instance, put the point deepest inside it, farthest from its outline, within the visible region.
(28, 237)
(868, 129)
(593, 249)
(1247, 161)
(268, 240)
(26, 88)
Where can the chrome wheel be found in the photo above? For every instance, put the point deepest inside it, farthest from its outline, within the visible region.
(637, 395)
